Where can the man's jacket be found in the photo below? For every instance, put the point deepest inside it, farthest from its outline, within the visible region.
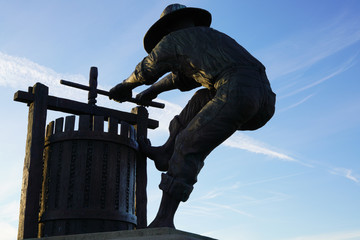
(196, 56)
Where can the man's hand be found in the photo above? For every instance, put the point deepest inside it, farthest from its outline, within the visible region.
(121, 92)
(147, 95)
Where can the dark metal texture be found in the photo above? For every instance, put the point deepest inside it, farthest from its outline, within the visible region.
(106, 93)
(92, 85)
(84, 175)
(79, 108)
(89, 177)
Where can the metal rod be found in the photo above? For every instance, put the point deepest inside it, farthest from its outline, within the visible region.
(106, 93)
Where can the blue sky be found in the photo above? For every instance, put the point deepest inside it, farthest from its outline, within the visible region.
(296, 178)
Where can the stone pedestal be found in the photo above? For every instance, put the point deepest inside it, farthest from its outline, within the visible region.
(142, 234)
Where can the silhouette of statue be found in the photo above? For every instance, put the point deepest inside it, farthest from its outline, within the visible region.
(237, 96)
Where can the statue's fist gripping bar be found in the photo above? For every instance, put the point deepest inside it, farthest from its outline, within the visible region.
(92, 88)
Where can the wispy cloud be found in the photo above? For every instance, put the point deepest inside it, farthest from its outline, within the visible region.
(20, 73)
(306, 48)
(8, 231)
(344, 67)
(347, 173)
(9, 215)
(16, 72)
(217, 192)
(230, 208)
(209, 208)
(165, 115)
(197, 211)
(9, 211)
(295, 104)
(266, 180)
(242, 141)
(209, 203)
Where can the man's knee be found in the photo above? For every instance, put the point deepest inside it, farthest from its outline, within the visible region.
(195, 104)
(175, 188)
(176, 125)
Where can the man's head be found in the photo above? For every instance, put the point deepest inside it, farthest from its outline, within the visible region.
(175, 17)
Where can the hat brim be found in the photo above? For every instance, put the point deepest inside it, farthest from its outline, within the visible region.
(160, 28)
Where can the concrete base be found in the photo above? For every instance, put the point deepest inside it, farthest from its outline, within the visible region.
(141, 234)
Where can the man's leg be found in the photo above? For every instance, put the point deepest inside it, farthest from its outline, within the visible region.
(216, 121)
(162, 154)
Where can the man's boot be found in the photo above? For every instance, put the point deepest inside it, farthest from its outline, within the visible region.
(174, 191)
(162, 154)
(166, 212)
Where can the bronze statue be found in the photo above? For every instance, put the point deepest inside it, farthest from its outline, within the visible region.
(237, 96)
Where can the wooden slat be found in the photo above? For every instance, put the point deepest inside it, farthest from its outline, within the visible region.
(113, 125)
(125, 129)
(123, 155)
(79, 108)
(98, 123)
(50, 129)
(69, 123)
(59, 123)
(84, 123)
(132, 133)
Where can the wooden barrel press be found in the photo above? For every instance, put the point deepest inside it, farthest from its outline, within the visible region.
(88, 177)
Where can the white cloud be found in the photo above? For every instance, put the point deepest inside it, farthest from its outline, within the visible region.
(206, 208)
(20, 73)
(230, 208)
(10, 211)
(241, 141)
(9, 217)
(307, 48)
(209, 203)
(197, 211)
(266, 180)
(8, 232)
(165, 115)
(213, 194)
(347, 173)
(344, 67)
(295, 104)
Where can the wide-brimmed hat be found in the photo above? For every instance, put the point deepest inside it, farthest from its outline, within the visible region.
(171, 14)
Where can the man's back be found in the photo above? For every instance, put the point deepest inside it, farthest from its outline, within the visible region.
(210, 50)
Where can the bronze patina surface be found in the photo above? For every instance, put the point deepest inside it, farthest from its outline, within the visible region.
(236, 95)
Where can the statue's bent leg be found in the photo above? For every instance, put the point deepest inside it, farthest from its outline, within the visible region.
(162, 154)
(232, 106)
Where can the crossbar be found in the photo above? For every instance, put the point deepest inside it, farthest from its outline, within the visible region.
(78, 108)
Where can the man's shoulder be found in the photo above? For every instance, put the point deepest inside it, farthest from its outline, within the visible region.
(198, 31)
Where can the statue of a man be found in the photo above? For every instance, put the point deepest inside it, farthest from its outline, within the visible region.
(236, 96)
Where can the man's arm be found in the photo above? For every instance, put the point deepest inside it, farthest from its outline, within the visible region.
(132, 82)
(163, 85)
(169, 82)
(123, 91)
(148, 71)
